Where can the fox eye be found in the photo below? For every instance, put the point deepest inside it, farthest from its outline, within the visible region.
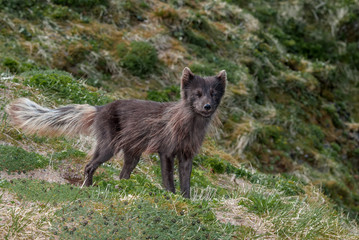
(212, 93)
(199, 93)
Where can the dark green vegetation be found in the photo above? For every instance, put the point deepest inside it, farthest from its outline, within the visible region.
(63, 85)
(291, 110)
(140, 59)
(90, 210)
(15, 159)
(167, 94)
(138, 219)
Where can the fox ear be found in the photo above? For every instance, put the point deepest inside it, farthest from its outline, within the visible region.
(187, 77)
(222, 77)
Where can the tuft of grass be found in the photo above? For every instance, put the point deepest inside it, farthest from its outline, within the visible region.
(263, 204)
(168, 15)
(15, 159)
(61, 84)
(215, 164)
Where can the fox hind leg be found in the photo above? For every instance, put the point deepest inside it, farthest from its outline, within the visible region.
(101, 155)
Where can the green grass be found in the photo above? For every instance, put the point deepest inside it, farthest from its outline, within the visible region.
(36, 190)
(61, 84)
(295, 217)
(292, 90)
(69, 153)
(138, 219)
(168, 94)
(16, 67)
(216, 164)
(15, 159)
(149, 213)
(140, 58)
(81, 3)
(263, 204)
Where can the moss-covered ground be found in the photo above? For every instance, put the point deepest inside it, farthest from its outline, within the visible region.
(283, 164)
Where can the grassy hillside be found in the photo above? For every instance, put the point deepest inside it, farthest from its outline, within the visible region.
(284, 163)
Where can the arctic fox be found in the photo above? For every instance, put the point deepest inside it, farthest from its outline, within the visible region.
(173, 129)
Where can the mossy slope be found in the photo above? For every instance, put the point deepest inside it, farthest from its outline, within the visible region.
(290, 111)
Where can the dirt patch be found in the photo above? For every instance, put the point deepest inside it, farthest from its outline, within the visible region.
(5, 196)
(68, 173)
(237, 215)
(48, 174)
(72, 173)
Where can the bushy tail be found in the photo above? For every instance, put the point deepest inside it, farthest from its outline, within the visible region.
(68, 120)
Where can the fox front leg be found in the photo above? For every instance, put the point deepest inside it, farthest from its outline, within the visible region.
(167, 166)
(131, 161)
(185, 170)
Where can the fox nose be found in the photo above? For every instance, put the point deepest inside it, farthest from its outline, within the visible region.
(207, 107)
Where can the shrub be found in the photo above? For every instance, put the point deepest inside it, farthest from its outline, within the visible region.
(11, 64)
(141, 58)
(216, 164)
(17, 67)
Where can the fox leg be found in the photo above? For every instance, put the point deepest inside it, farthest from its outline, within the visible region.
(129, 164)
(167, 165)
(100, 156)
(185, 169)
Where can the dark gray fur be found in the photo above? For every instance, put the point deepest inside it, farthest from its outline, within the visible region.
(175, 129)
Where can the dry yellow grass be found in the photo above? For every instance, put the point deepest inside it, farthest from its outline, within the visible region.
(24, 220)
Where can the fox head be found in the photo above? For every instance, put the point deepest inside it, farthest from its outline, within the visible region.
(202, 94)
